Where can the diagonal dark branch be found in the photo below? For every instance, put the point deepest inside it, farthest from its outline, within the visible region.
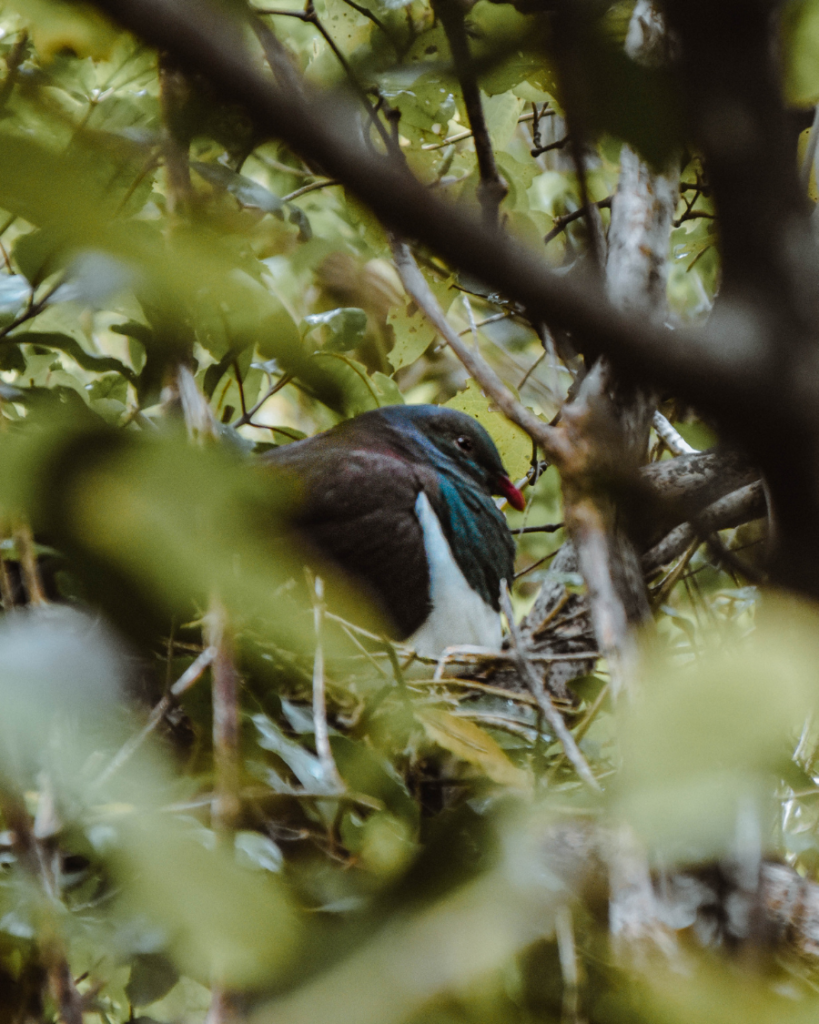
(206, 40)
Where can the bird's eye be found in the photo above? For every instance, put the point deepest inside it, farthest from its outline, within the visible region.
(464, 443)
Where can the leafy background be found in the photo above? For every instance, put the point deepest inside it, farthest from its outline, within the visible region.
(415, 891)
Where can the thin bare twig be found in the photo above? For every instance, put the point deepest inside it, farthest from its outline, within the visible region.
(321, 731)
(561, 223)
(226, 760)
(32, 309)
(489, 320)
(192, 674)
(665, 588)
(313, 187)
(538, 691)
(29, 568)
(272, 390)
(310, 16)
(375, 20)
(467, 133)
(548, 437)
(532, 369)
(549, 146)
(546, 528)
(582, 727)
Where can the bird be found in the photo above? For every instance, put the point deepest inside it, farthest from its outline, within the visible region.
(400, 499)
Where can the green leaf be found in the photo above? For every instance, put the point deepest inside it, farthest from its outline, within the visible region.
(413, 335)
(474, 745)
(152, 976)
(112, 386)
(245, 190)
(38, 254)
(71, 347)
(800, 34)
(502, 112)
(57, 26)
(343, 328)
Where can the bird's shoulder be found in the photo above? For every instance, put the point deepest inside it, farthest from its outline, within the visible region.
(342, 476)
(355, 504)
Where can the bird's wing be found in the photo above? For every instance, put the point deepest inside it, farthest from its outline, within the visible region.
(357, 510)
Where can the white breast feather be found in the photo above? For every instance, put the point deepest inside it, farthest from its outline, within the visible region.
(459, 615)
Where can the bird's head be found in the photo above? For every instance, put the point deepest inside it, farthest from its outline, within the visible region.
(454, 441)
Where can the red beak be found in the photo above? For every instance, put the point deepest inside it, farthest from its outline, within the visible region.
(511, 493)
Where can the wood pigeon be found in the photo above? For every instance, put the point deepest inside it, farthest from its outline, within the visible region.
(400, 498)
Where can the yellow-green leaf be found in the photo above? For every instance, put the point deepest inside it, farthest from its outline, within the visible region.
(56, 27)
(413, 335)
(813, 191)
(514, 444)
(469, 742)
(800, 32)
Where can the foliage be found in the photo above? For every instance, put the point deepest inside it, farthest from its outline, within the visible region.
(147, 224)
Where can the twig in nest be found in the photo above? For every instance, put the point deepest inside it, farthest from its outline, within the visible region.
(671, 579)
(550, 713)
(192, 673)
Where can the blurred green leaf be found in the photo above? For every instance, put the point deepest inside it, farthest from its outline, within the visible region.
(704, 745)
(801, 38)
(152, 977)
(71, 347)
(221, 919)
(344, 328)
(473, 744)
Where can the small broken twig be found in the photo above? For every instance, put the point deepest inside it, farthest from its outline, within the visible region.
(550, 712)
(561, 223)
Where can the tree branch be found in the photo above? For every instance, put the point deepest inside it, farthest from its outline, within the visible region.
(548, 437)
(692, 364)
(561, 223)
(732, 510)
(492, 187)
